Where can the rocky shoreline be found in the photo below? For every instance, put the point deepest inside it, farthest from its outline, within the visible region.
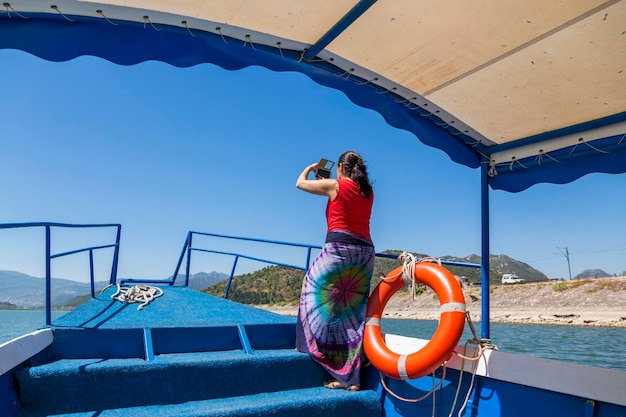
(586, 302)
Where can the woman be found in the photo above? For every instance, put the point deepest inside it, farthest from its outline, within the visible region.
(336, 287)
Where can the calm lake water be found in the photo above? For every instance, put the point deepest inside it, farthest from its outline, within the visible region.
(597, 346)
(14, 323)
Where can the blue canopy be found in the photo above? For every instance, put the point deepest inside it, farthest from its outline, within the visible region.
(533, 95)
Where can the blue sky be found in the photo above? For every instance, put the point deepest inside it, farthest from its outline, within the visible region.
(164, 150)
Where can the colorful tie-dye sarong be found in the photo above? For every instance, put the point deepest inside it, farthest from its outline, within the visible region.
(332, 309)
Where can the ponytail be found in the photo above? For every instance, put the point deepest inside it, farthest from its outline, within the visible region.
(356, 170)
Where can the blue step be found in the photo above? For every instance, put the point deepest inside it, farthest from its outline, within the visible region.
(216, 358)
(97, 384)
(304, 402)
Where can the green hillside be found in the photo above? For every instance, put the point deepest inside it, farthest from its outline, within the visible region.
(280, 285)
(270, 285)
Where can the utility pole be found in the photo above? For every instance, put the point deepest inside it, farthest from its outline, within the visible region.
(566, 254)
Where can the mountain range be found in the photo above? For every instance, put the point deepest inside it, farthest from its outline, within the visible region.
(18, 290)
(267, 285)
(275, 285)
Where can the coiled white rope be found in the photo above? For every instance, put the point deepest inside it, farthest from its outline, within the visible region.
(143, 294)
(408, 269)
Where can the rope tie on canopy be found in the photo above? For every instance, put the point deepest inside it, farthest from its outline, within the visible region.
(485, 158)
(305, 59)
(417, 108)
(513, 161)
(101, 13)
(396, 97)
(346, 73)
(389, 90)
(146, 22)
(55, 8)
(184, 23)
(420, 110)
(219, 30)
(280, 49)
(10, 9)
(541, 154)
(249, 40)
(366, 82)
(582, 141)
(475, 143)
(403, 100)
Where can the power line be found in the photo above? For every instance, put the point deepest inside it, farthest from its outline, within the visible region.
(600, 251)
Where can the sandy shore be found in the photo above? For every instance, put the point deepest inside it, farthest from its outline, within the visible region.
(586, 317)
(591, 302)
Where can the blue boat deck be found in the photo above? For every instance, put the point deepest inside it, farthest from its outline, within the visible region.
(177, 307)
(185, 354)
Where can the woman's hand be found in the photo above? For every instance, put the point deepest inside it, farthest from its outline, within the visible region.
(313, 168)
(319, 186)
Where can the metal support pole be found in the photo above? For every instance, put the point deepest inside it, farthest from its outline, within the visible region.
(484, 250)
(308, 259)
(188, 267)
(92, 278)
(48, 279)
(230, 279)
(116, 255)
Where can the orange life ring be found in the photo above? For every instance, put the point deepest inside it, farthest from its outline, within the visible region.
(448, 333)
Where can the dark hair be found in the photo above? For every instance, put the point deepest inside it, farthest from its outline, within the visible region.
(355, 169)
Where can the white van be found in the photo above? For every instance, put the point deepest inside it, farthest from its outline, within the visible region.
(511, 279)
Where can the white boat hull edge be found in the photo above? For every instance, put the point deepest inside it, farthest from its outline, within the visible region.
(594, 383)
(20, 349)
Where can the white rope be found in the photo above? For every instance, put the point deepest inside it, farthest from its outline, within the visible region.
(219, 30)
(184, 22)
(408, 276)
(143, 294)
(249, 41)
(101, 13)
(366, 82)
(146, 22)
(482, 345)
(408, 269)
(423, 397)
(10, 9)
(388, 90)
(55, 8)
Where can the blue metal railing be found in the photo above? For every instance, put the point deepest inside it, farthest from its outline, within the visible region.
(50, 256)
(188, 249)
(185, 254)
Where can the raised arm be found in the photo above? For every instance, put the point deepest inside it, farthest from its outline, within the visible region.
(319, 186)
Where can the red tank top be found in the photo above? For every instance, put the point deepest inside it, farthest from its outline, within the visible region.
(349, 210)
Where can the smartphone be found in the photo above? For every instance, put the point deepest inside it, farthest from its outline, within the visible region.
(324, 168)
